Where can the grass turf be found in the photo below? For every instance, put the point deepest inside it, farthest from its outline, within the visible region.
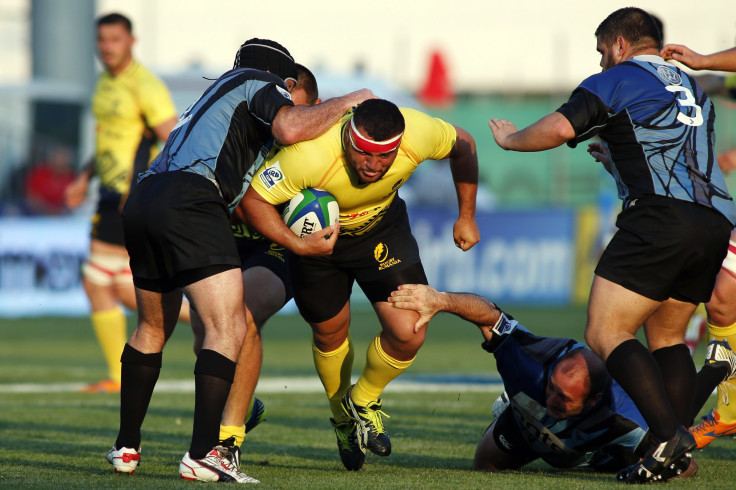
(53, 440)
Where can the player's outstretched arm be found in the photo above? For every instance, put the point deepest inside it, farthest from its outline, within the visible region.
(464, 167)
(551, 131)
(722, 60)
(426, 301)
(293, 124)
(263, 216)
(423, 299)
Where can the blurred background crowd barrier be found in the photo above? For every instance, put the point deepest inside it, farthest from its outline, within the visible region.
(544, 217)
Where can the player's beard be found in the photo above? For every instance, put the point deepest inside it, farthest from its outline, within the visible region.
(379, 175)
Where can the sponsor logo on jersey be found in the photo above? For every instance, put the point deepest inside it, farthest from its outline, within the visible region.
(669, 75)
(283, 92)
(535, 432)
(365, 226)
(272, 175)
(380, 253)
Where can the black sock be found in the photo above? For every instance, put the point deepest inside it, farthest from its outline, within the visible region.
(213, 376)
(634, 368)
(706, 381)
(679, 383)
(139, 375)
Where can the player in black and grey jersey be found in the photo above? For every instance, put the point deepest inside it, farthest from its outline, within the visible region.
(656, 129)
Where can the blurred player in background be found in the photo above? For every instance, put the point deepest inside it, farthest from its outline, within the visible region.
(362, 161)
(561, 404)
(656, 125)
(134, 111)
(177, 231)
(267, 289)
(720, 363)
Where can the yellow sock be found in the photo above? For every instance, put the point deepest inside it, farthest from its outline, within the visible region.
(111, 330)
(727, 389)
(379, 370)
(334, 370)
(233, 430)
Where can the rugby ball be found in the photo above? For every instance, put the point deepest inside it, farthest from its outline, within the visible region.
(310, 211)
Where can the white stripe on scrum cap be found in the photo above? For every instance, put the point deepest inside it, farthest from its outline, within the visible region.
(269, 47)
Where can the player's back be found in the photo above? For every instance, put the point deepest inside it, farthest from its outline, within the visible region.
(659, 133)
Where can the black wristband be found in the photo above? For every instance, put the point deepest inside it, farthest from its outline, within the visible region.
(501, 330)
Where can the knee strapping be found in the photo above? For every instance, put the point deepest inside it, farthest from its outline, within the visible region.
(729, 263)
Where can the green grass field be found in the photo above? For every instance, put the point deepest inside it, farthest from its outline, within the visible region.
(58, 439)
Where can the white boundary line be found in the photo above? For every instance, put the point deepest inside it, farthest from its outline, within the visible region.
(304, 384)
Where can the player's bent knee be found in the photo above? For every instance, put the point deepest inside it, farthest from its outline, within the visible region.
(719, 316)
(721, 310)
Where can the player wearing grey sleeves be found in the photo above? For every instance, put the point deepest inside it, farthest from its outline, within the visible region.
(177, 231)
(656, 130)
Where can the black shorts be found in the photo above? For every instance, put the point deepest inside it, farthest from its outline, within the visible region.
(667, 248)
(509, 439)
(107, 223)
(379, 260)
(265, 253)
(177, 231)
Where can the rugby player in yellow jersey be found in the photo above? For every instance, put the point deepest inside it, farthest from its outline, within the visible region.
(363, 160)
(134, 111)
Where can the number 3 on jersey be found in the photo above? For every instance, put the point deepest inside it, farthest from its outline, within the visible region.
(688, 101)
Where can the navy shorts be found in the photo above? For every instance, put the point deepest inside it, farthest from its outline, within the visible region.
(667, 248)
(177, 231)
(261, 252)
(508, 438)
(107, 222)
(379, 260)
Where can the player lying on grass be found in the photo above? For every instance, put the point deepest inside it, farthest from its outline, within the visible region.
(563, 406)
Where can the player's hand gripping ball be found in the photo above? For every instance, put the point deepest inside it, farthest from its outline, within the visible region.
(310, 211)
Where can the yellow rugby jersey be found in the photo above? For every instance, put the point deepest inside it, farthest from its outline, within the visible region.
(320, 163)
(126, 107)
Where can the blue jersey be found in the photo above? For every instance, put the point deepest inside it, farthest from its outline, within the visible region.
(603, 436)
(226, 134)
(657, 125)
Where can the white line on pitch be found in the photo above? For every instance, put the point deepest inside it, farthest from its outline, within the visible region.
(305, 384)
